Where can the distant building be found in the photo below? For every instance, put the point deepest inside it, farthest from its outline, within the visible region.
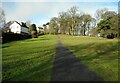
(16, 27)
(40, 29)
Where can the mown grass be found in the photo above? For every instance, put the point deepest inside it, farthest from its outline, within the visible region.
(28, 60)
(99, 54)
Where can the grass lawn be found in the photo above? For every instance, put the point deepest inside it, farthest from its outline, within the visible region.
(99, 54)
(32, 59)
(29, 60)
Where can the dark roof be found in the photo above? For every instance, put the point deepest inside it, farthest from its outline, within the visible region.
(17, 22)
(40, 27)
(7, 25)
(24, 25)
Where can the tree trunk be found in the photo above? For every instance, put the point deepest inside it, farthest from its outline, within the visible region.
(84, 31)
(88, 31)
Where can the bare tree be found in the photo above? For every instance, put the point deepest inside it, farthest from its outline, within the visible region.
(73, 13)
(53, 25)
(2, 18)
(86, 19)
(99, 13)
(28, 23)
(63, 20)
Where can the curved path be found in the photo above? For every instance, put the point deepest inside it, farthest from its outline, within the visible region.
(67, 67)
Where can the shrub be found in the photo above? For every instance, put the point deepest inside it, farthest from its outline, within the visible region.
(8, 37)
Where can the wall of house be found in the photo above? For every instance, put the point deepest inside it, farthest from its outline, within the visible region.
(15, 28)
(24, 30)
(37, 29)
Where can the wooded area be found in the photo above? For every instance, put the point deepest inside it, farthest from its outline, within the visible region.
(75, 22)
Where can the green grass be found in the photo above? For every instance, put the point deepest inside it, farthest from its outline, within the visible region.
(29, 60)
(99, 54)
(32, 59)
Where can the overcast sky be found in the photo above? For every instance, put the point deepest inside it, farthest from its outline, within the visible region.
(40, 11)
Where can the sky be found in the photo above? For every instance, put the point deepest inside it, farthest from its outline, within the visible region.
(41, 11)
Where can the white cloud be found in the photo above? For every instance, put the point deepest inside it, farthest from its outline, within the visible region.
(25, 10)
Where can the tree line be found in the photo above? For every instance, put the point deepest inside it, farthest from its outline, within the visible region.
(75, 22)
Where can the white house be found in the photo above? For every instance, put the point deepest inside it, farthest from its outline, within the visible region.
(16, 27)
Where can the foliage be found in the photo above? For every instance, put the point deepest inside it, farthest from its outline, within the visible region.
(9, 37)
(45, 28)
(109, 24)
(86, 19)
(72, 22)
(75, 22)
(33, 27)
(53, 25)
(33, 30)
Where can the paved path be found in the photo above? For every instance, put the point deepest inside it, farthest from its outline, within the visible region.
(67, 67)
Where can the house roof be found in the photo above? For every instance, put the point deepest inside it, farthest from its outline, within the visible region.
(7, 25)
(17, 22)
(23, 25)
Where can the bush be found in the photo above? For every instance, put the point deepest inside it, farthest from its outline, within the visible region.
(34, 34)
(8, 37)
(110, 36)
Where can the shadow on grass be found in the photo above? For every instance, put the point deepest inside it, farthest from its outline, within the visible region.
(94, 51)
(5, 46)
(68, 68)
(40, 39)
(22, 61)
(100, 57)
